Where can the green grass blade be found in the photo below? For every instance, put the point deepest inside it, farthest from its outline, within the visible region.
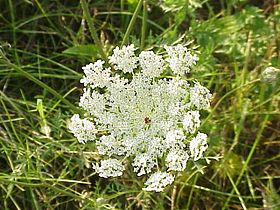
(93, 30)
(237, 192)
(252, 150)
(144, 25)
(43, 85)
(131, 23)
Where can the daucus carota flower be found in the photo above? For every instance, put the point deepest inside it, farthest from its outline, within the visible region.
(158, 181)
(191, 121)
(109, 168)
(199, 97)
(198, 146)
(83, 129)
(95, 75)
(151, 64)
(124, 59)
(142, 117)
(180, 59)
(177, 160)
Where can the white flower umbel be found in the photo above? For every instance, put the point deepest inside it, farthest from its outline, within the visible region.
(158, 181)
(174, 139)
(95, 75)
(108, 145)
(191, 121)
(124, 59)
(109, 168)
(151, 64)
(143, 163)
(92, 101)
(177, 160)
(180, 59)
(83, 129)
(142, 117)
(199, 97)
(198, 146)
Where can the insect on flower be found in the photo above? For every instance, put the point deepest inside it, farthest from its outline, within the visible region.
(147, 120)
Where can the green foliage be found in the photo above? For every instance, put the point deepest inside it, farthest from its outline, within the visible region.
(271, 199)
(44, 44)
(82, 50)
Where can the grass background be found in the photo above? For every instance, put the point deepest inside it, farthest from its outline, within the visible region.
(45, 43)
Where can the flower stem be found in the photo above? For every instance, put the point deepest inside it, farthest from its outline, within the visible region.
(93, 30)
(144, 25)
(132, 21)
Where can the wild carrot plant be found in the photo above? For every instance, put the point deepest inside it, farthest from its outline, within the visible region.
(136, 114)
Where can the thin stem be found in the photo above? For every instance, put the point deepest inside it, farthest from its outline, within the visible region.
(237, 192)
(132, 21)
(173, 197)
(122, 16)
(144, 25)
(11, 7)
(191, 192)
(93, 30)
